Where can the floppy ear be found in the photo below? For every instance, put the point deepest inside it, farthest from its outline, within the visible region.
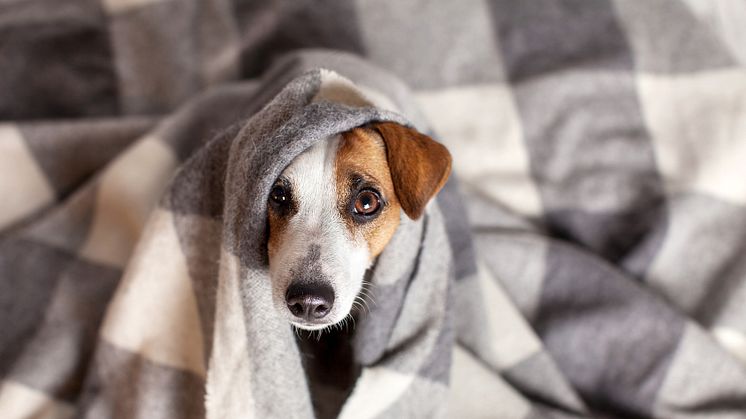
(419, 165)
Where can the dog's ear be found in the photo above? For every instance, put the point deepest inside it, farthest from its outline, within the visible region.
(419, 165)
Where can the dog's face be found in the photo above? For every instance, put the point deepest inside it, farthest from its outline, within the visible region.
(336, 206)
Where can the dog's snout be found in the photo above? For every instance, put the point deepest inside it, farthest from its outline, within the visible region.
(310, 302)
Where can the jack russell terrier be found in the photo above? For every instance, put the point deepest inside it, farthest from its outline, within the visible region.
(334, 209)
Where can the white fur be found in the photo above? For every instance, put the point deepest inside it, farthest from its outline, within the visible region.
(344, 258)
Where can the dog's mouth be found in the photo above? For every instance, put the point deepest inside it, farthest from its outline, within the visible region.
(311, 326)
(326, 323)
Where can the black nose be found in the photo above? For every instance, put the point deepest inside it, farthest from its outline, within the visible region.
(310, 302)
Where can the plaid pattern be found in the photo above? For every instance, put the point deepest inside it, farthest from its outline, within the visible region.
(599, 148)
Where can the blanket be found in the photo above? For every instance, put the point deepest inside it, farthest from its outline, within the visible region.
(584, 261)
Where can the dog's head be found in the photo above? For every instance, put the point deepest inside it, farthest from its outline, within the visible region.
(336, 206)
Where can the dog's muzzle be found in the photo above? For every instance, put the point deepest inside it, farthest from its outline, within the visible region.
(310, 303)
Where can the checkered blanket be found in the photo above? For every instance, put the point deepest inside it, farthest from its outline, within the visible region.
(588, 263)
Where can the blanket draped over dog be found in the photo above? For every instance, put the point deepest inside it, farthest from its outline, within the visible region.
(586, 259)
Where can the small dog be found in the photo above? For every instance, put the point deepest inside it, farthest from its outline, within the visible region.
(334, 209)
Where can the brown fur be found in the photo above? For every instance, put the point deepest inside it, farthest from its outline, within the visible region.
(362, 153)
(277, 225)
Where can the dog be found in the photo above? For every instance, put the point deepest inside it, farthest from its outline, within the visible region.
(334, 209)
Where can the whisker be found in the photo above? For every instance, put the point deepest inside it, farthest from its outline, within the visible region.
(365, 303)
(368, 294)
(362, 304)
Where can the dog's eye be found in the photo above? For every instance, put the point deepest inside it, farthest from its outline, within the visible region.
(279, 195)
(367, 203)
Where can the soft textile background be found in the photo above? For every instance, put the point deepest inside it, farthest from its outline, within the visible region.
(614, 131)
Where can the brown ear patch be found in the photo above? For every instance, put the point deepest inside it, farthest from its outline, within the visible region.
(419, 165)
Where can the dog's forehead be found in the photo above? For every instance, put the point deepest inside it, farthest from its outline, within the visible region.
(315, 157)
(310, 171)
(362, 152)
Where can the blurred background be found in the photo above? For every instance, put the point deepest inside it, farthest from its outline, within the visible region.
(608, 114)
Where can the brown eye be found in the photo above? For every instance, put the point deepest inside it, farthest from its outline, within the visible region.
(367, 203)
